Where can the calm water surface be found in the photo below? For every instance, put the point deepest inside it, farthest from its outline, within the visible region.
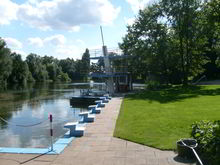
(33, 105)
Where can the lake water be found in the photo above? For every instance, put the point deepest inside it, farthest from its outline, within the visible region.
(23, 108)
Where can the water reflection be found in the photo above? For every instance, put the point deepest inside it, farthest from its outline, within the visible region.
(33, 105)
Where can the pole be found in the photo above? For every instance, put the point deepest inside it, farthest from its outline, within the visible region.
(51, 131)
(102, 36)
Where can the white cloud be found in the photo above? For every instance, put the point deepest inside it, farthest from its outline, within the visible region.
(34, 2)
(36, 41)
(59, 14)
(20, 52)
(8, 11)
(15, 46)
(75, 29)
(106, 12)
(13, 43)
(67, 14)
(54, 40)
(61, 48)
(71, 51)
(129, 21)
(136, 5)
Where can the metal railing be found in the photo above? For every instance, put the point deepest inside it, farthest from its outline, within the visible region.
(94, 53)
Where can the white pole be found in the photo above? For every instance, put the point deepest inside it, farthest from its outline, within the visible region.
(103, 43)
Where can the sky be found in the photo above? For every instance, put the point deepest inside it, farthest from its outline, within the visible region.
(65, 28)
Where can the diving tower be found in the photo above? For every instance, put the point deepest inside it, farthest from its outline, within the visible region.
(116, 81)
(112, 78)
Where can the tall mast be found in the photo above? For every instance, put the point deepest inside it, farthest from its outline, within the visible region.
(103, 43)
(109, 80)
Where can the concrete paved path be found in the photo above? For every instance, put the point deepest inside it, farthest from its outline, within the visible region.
(99, 147)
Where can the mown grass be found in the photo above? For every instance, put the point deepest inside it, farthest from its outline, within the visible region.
(160, 118)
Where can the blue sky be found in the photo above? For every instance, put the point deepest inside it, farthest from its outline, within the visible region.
(64, 28)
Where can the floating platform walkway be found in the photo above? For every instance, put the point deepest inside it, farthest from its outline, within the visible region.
(85, 100)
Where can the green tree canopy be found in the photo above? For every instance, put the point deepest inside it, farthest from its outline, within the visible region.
(5, 63)
(173, 41)
(36, 67)
(85, 62)
(20, 70)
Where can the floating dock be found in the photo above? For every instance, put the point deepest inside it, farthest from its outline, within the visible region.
(83, 100)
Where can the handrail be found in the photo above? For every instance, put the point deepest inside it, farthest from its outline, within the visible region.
(99, 53)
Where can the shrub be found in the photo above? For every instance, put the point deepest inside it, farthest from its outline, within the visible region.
(63, 77)
(153, 85)
(207, 134)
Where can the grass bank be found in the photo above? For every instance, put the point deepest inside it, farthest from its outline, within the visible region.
(160, 118)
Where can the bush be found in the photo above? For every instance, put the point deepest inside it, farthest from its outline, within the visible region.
(63, 77)
(207, 134)
(153, 85)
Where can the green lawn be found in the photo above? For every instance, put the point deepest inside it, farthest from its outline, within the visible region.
(160, 118)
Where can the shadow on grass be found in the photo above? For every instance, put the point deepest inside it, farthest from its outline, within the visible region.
(172, 94)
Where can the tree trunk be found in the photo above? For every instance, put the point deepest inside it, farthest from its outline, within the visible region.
(182, 53)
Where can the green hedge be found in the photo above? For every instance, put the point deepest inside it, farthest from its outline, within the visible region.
(207, 134)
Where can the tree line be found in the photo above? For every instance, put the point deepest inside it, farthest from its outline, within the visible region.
(175, 41)
(14, 70)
